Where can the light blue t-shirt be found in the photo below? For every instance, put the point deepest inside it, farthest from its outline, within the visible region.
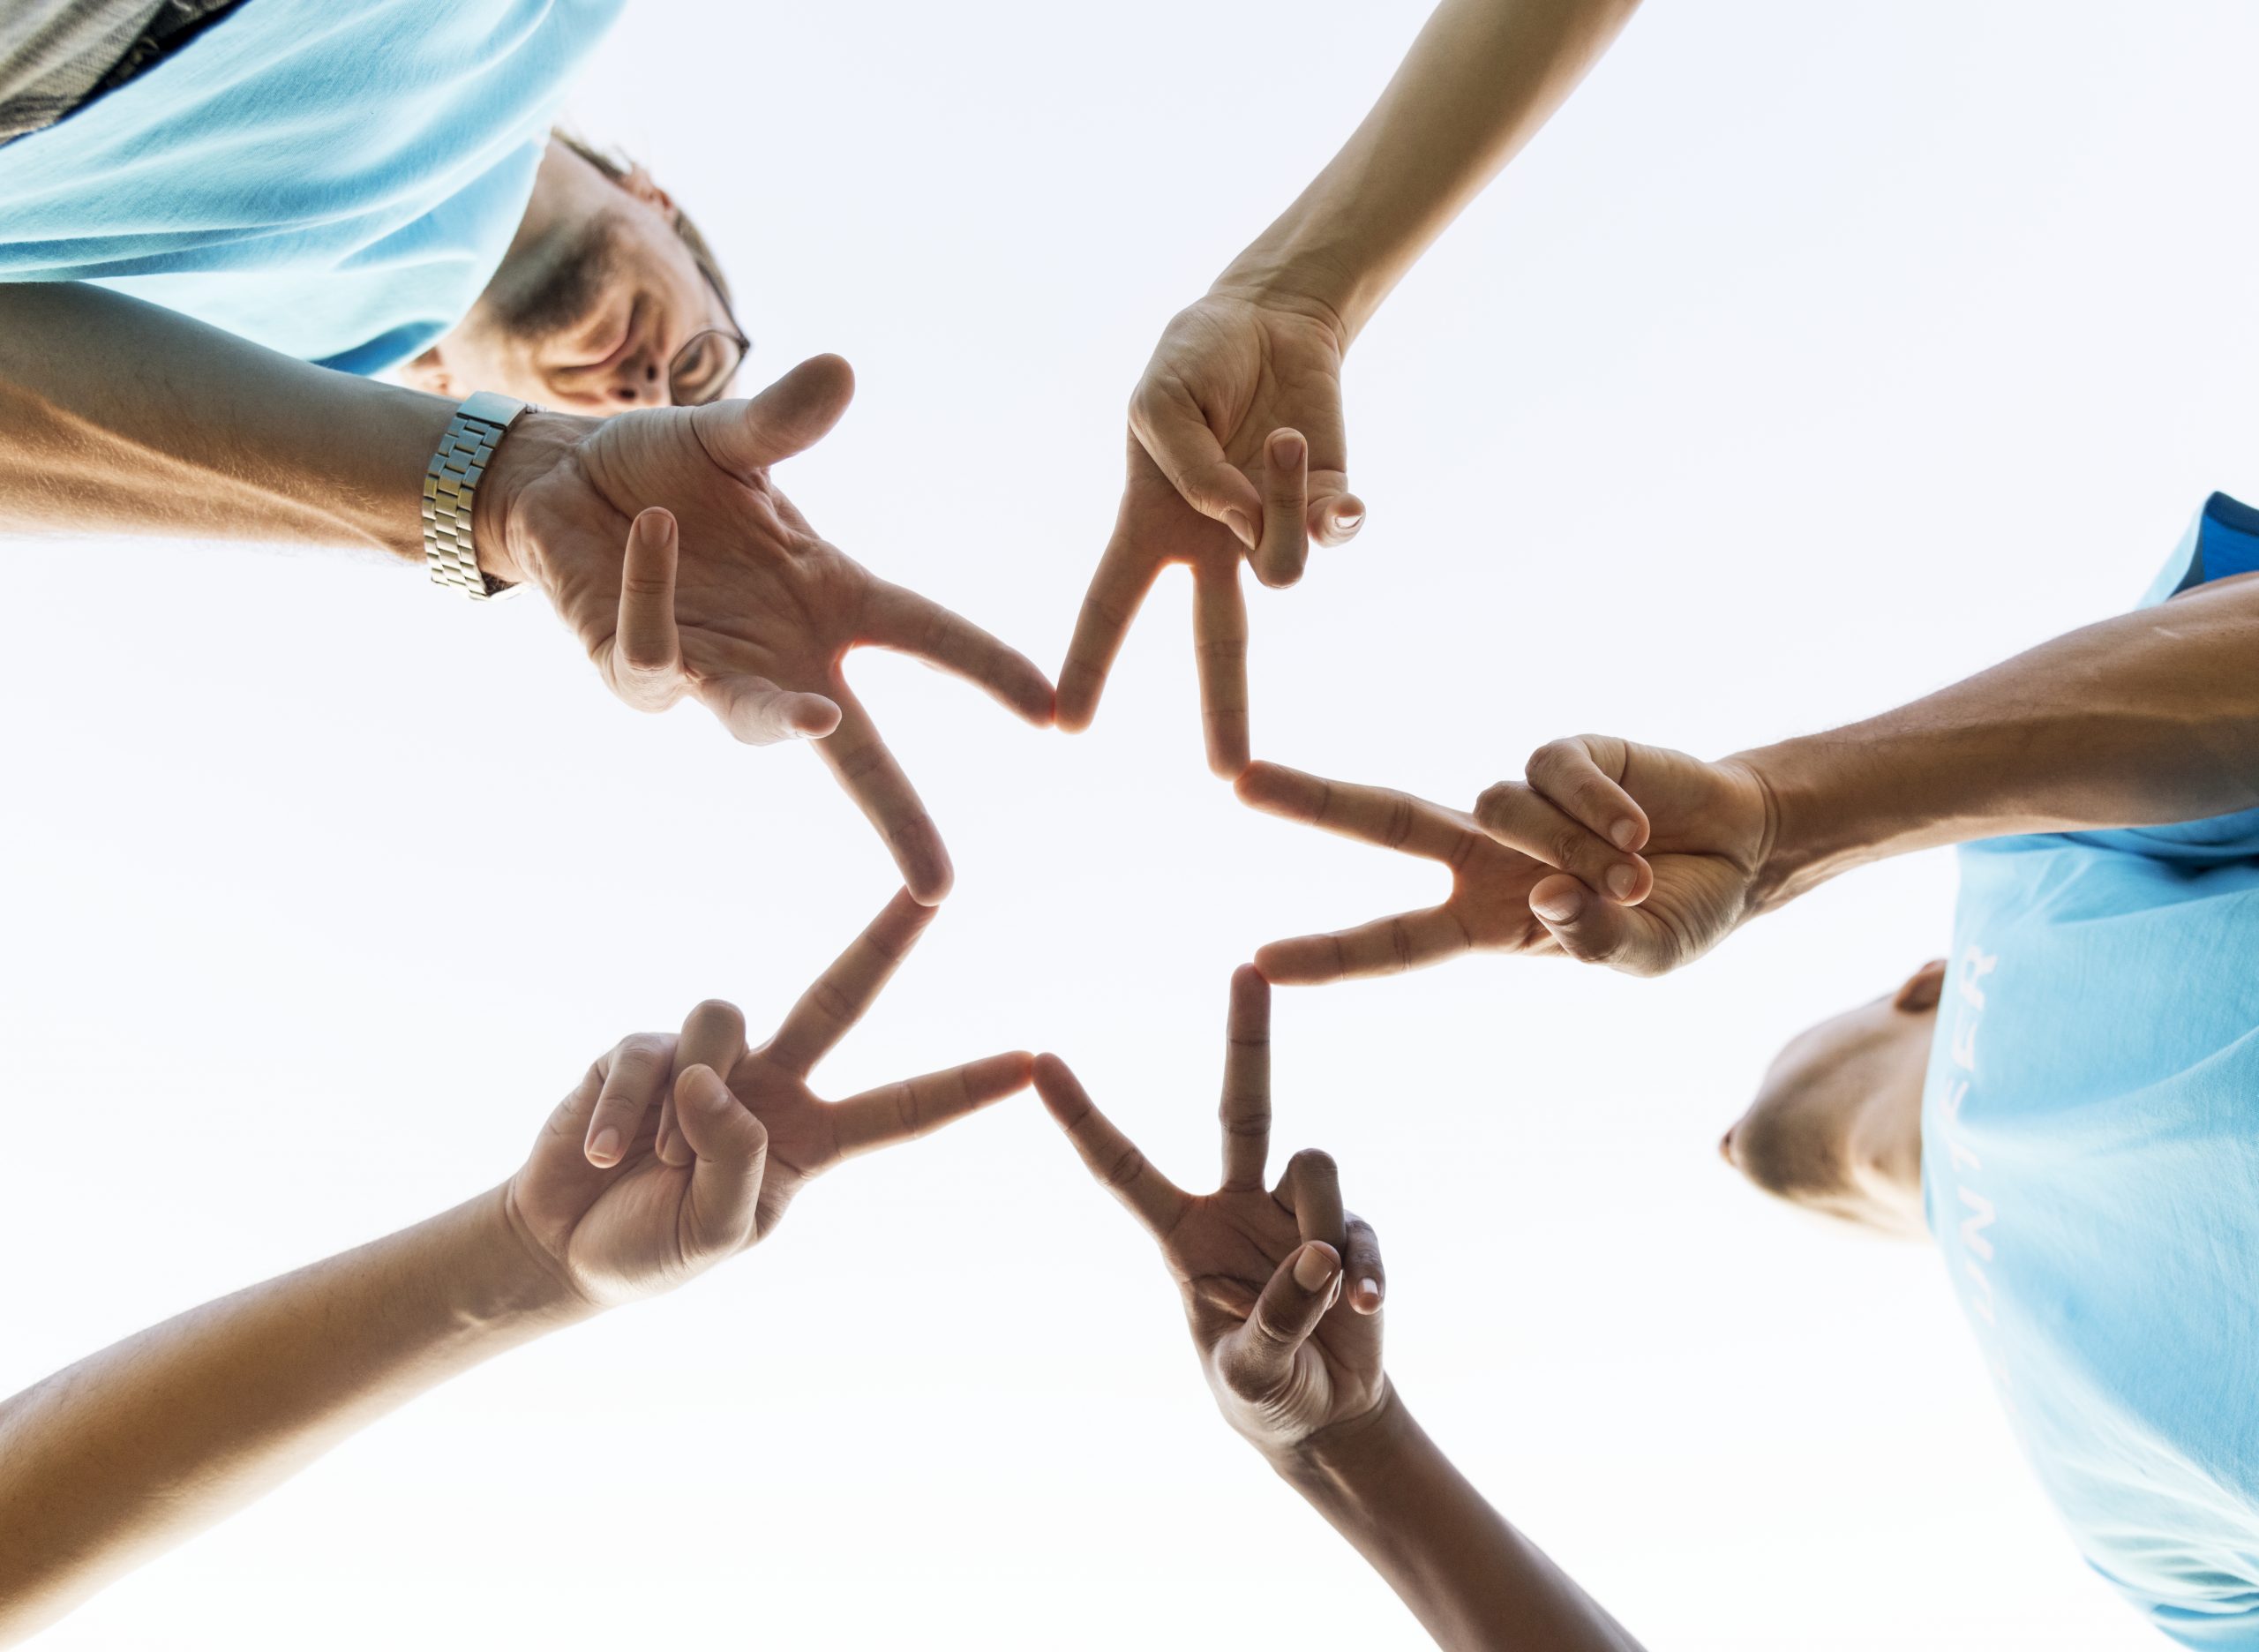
(334, 179)
(2090, 1167)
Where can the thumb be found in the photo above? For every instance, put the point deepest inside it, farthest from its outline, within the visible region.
(791, 416)
(1175, 432)
(732, 1149)
(760, 713)
(1257, 1357)
(1595, 931)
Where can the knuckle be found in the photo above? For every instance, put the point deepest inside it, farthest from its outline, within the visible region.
(1397, 827)
(1127, 1166)
(1567, 844)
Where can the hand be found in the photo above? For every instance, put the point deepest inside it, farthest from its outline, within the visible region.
(1235, 449)
(724, 593)
(1261, 1273)
(1707, 829)
(678, 1151)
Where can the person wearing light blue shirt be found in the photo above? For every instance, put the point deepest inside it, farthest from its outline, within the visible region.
(201, 264)
(2068, 1102)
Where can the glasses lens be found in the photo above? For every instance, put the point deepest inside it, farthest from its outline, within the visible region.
(703, 369)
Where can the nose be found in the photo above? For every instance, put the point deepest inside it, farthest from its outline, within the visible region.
(638, 383)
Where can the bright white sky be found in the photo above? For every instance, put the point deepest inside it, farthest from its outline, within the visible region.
(1815, 355)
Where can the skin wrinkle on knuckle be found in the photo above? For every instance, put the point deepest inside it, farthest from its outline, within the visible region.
(1127, 1166)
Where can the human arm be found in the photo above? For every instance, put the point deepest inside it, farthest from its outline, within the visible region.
(1237, 444)
(657, 536)
(108, 1463)
(2148, 717)
(1283, 1291)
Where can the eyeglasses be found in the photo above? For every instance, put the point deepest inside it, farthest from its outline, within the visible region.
(702, 368)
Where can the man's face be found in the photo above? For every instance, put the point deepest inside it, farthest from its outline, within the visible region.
(1836, 1126)
(595, 299)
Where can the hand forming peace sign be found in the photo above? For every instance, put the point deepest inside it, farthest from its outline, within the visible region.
(1262, 1274)
(626, 1199)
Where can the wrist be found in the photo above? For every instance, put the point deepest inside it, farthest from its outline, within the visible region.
(507, 1279)
(1817, 822)
(1314, 285)
(1343, 1454)
(534, 445)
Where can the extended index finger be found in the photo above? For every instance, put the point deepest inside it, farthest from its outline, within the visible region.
(899, 619)
(1373, 814)
(860, 759)
(1113, 1158)
(851, 986)
(911, 1108)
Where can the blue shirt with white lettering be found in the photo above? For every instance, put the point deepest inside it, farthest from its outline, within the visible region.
(334, 181)
(2090, 1167)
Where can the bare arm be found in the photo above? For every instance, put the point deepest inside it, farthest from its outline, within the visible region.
(132, 1450)
(1283, 1291)
(658, 536)
(1475, 1583)
(1481, 79)
(654, 1169)
(118, 416)
(2144, 719)
(1237, 444)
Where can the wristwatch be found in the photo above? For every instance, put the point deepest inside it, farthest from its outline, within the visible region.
(450, 481)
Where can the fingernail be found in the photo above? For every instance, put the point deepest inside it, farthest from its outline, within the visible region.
(1622, 881)
(1313, 1267)
(1348, 522)
(1368, 1298)
(1559, 908)
(1286, 451)
(1237, 521)
(603, 1147)
(1623, 832)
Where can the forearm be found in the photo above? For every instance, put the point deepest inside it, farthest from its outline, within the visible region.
(1479, 81)
(116, 415)
(1471, 1579)
(2150, 717)
(139, 1447)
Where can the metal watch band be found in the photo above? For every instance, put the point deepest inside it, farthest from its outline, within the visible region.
(450, 483)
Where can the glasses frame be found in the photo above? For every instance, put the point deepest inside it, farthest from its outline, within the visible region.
(734, 333)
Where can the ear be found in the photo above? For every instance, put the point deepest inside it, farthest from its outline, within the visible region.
(429, 372)
(1922, 990)
(639, 184)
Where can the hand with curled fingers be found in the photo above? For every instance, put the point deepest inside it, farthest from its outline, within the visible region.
(1704, 831)
(678, 1150)
(1282, 1289)
(1236, 450)
(1567, 865)
(725, 594)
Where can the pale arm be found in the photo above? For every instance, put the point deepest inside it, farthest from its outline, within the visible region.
(1481, 79)
(135, 1449)
(1238, 447)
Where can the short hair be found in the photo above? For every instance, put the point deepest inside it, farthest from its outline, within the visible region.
(616, 167)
